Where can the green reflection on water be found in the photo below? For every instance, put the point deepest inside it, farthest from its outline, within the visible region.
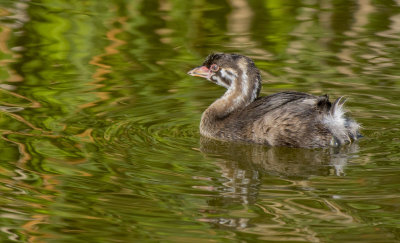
(99, 122)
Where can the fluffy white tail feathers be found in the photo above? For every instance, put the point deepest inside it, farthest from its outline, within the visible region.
(344, 129)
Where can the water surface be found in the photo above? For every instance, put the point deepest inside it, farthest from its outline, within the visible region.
(99, 122)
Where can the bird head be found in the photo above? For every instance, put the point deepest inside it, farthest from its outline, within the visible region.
(229, 71)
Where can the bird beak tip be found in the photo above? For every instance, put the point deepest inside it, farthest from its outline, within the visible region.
(201, 71)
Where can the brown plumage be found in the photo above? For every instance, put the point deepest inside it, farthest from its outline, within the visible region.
(288, 118)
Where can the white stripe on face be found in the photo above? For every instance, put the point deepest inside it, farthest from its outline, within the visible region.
(228, 74)
(220, 82)
(226, 79)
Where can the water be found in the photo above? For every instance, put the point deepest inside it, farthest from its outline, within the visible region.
(99, 122)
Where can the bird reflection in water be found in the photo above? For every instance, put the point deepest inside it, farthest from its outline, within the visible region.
(243, 167)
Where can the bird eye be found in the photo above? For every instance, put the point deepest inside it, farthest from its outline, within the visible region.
(214, 67)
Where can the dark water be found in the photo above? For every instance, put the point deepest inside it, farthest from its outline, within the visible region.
(99, 122)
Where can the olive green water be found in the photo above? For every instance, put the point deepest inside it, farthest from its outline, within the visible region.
(99, 136)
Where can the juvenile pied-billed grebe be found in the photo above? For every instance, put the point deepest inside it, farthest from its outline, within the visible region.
(287, 118)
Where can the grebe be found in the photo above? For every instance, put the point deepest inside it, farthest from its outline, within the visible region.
(289, 118)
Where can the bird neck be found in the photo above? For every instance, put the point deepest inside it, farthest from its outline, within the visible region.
(242, 91)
